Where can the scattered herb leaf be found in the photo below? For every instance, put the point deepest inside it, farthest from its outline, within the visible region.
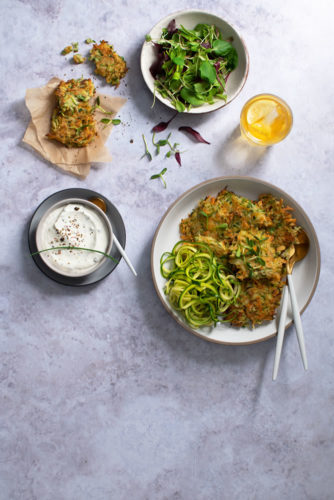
(148, 38)
(163, 125)
(196, 135)
(116, 121)
(89, 40)
(147, 153)
(161, 174)
(178, 158)
(75, 46)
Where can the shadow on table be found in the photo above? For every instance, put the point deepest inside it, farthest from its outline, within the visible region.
(159, 323)
(238, 155)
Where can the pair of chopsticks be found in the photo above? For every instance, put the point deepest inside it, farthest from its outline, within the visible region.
(281, 327)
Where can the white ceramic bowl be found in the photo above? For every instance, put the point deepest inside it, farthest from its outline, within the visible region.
(189, 19)
(42, 227)
(305, 273)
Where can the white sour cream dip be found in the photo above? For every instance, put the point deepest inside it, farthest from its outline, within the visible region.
(74, 225)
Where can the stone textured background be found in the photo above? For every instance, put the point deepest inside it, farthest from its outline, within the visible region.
(103, 395)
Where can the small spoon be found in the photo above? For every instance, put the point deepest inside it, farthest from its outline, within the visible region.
(102, 205)
(296, 253)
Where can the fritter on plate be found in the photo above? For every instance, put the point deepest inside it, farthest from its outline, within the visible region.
(108, 63)
(253, 237)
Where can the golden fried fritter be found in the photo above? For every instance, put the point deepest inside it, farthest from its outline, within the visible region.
(72, 121)
(108, 63)
(257, 302)
(74, 94)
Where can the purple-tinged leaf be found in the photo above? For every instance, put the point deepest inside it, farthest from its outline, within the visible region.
(178, 158)
(217, 67)
(206, 45)
(161, 57)
(171, 28)
(163, 125)
(196, 135)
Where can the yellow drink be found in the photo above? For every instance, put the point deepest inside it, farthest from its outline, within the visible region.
(265, 119)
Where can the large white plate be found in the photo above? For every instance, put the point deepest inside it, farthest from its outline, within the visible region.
(189, 19)
(305, 274)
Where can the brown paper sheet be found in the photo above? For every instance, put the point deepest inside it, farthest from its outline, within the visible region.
(41, 102)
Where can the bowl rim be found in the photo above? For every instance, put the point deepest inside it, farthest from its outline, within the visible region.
(197, 110)
(227, 178)
(79, 201)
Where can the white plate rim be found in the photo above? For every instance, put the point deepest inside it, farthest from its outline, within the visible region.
(226, 179)
(197, 110)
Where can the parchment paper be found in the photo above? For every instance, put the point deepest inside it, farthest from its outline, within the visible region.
(41, 103)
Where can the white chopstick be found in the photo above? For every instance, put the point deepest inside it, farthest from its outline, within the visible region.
(281, 326)
(297, 321)
(281, 331)
(122, 252)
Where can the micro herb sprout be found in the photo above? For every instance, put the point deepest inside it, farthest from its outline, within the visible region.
(192, 66)
(147, 152)
(75, 46)
(160, 175)
(173, 149)
(89, 40)
(107, 121)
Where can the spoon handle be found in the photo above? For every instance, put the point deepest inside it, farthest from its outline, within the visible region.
(297, 321)
(122, 252)
(281, 331)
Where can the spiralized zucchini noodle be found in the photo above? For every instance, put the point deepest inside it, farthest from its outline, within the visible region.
(199, 284)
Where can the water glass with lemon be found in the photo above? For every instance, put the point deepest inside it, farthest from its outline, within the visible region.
(265, 120)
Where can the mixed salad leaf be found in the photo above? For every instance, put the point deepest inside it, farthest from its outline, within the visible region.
(192, 66)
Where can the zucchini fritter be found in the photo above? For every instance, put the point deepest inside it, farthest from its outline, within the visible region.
(253, 236)
(108, 63)
(72, 121)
